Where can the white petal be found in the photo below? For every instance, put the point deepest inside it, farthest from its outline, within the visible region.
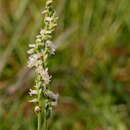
(30, 51)
(48, 19)
(32, 92)
(32, 45)
(52, 95)
(33, 100)
(44, 12)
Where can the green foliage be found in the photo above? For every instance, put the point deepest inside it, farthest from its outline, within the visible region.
(90, 69)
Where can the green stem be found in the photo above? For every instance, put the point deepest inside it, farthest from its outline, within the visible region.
(39, 121)
(45, 121)
(39, 104)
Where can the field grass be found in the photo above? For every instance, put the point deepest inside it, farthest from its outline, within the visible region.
(91, 68)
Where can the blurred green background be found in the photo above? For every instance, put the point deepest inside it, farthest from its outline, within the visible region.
(91, 68)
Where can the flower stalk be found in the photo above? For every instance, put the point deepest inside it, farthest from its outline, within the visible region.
(39, 52)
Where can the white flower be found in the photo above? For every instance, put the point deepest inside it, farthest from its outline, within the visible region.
(38, 40)
(44, 12)
(32, 92)
(33, 60)
(38, 36)
(39, 69)
(40, 52)
(51, 46)
(52, 95)
(49, 42)
(48, 32)
(45, 76)
(38, 63)
(32, 45)
(33, 100)
(48, 19)
(42, 32)
(37, 109)
(31, 51)
(53, 49)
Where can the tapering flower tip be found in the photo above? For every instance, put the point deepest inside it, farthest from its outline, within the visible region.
(33, 100)
(32, 92)
(37, 109)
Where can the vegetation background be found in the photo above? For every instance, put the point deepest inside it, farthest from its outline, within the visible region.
(91, 68)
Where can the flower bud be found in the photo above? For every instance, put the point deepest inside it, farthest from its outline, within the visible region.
(37, 109)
